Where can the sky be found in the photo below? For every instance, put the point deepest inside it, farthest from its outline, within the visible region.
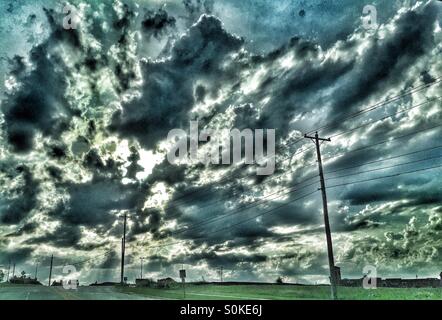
(85, 115)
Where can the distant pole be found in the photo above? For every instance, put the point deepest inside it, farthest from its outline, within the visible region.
(184, 287)
(9, 269)
(50, 270)
(36, 270)
(13, 270)
(122, 262)
(331, 260)
(141, 267)
(123, 248)
(221, 273)
(183, 280)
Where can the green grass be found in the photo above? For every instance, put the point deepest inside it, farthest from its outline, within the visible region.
(283, 292)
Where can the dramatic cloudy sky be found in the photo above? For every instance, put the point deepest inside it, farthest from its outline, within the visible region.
(85, 115)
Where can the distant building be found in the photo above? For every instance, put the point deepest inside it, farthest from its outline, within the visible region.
(144, 282)
(24, 280)
(56, 283)
(104, 284)
(391, 283)
(165, 283)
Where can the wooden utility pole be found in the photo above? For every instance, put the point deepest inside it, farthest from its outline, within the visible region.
(123, 249)
(221, 273)
(9, 269)
(50, 270)
(36, 270)
(142, 267)
(331, 260)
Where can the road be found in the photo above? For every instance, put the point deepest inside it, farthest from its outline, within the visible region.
(58, 293)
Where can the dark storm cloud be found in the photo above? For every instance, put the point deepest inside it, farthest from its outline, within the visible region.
(17, 66)
(168, 89)
(168, 173)
(396, 213)
(64, 236)
(195, 8)
(134, 167)
(40, 105)
(203, 209)
(125, 21)
(157, 23)
(92, 203)
(352, 159)
(17, 255)
(296, 90)
(23, 199)
(145, 221)
(373, 192)
(124, 66)
(293, 214)
(352, 79)
(108, 168)
(205, 64)
(111, 261)
(27, 228)
(202, 220)
(97, 203)
(386, 60)
(155, 263)
(57, 151)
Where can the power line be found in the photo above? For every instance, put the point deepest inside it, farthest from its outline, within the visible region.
(373, 107)
(204, 222)
(211, 203)
(237, 224)
(235, 211)
(356, 114)
(252, 205)
(384, 177)
(385, 159)
(297, 199)
(332, 157)
(384, 141)
(290, 190)
(386, 117)
(351, 116)
(179, 202)
(384, 168)
(380, 104)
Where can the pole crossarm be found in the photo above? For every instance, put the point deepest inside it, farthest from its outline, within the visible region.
(314, 138)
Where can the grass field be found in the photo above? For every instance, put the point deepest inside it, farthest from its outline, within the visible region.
(282, 292)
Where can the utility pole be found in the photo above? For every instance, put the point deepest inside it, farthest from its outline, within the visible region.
(13, 270)
(331, 260)
(183, 280)
(123, 249)
(142, 267)
(221, 273)
(36, 270)
(50, 270)
(9, 269)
